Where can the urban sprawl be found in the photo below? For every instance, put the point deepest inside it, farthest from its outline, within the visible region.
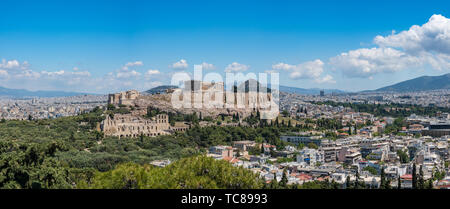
(382, 140)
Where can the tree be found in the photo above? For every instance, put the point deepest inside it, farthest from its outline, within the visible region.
(414, 177)
(371, 170)
(430, 184)
(274, 182)
(399, 182)
(30, 118)
(111, 107)
(382, 179)
(285, 113)
(312, 145)
(284, 180)
(421, 183)
(348, 184)
(357, 183)
(404, 158)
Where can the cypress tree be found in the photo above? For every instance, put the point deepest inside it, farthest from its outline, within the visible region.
(414, 177)
(284, 179)
(421, 179)
(347, 183)
(274, 183)
(430, 184)
(357, 185)
(382, 179)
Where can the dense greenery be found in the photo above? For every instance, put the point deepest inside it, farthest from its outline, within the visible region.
(56, 153)
(188, 173)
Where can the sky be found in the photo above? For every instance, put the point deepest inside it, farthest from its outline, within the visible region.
(108, 46)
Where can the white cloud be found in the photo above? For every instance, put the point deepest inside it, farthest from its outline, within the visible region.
(127, 74)
(13, 65)
(152, 72)
(180, 65)
(417, 47)
(236, 67)
(14, 74)
(3, 73)
(207, 66)
(310, 69)
(56, 73)
(366, 62)
(132, 64)
(326, 79)
(271, 71)
(433, 36)
(9, 64)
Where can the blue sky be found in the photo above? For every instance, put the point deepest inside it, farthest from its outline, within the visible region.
(104, 46)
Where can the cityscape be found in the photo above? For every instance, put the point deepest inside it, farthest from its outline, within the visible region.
(184, 96)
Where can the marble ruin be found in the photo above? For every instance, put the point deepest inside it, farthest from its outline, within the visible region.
(134, 126)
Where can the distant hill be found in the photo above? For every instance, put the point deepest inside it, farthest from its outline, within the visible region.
(21, 93)
(259, 87)
(160, 89)
(424, 83)
(312, 91)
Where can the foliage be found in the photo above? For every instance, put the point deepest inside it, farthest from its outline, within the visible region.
(371, 170)
(188, 173)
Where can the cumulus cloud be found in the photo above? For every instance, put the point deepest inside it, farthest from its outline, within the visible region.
(180, 65)
(326, 79)
(13, 65)
(236, 67)
(3, 73)
(207, 66)
(14, 74)
(433, 36)
(151, 73)
(310, 69)
(127, 74)
(307, 70)
(132, 64)
(422, 46)
(366, 62)
(271, 71)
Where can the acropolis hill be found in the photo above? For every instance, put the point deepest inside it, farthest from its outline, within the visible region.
(134, 123)
(211, 90)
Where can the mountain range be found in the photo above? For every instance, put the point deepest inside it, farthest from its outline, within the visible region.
(312, 91)
(22, 93)
(423, 83)
(160, 89)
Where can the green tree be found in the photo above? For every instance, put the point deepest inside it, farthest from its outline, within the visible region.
(284, 179)
(414, 177)
(348, 184)
(421, 183)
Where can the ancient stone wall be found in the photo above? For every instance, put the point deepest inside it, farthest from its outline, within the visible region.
(134, 126)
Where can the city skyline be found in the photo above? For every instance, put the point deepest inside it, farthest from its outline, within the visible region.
(105, 47)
